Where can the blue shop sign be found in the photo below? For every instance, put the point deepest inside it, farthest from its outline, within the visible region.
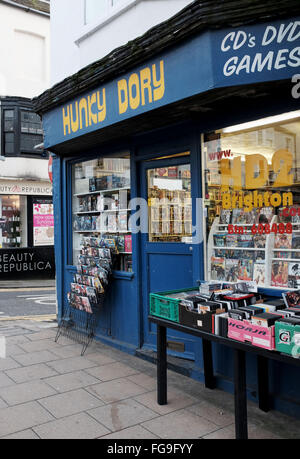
(215, 59)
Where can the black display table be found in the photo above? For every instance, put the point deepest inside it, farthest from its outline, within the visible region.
(239, 374)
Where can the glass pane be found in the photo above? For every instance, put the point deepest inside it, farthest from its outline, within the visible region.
(101, 195)
(43, 223)
(252, 196)
(170, 206)
(8, 125)
(8, 114)
(12, 221)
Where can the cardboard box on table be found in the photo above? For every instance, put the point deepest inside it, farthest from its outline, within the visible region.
(245, 331)
(287, 338)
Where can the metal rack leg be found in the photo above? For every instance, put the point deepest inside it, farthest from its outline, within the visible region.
(263, 383)
(161, 365)
(240, 395)
(208, 364)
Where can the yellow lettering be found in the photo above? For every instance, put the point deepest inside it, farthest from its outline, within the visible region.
(134, 100)
(74, 124)
(83, 106)
(145, 75)
(248, 202)
(92, 116)
(231, 171)
(226, 201)
(101, 107)
(256, 164)
(159, 92)
(66, 120)
(287, 199)
(282, 163)
(123, 96)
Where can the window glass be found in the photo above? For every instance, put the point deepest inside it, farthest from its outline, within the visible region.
(252, 196)
(101, 195)
(13, 221)
(31, 131)
(169, 200)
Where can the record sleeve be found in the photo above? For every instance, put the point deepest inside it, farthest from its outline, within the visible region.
(218, 269)
(259, 273)
(279, 274)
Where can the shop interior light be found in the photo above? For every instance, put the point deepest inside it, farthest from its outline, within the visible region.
(262, 122)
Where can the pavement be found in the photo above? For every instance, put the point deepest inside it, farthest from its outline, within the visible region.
(48, 391)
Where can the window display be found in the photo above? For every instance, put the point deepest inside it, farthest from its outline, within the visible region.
(170, 207)
(101, 195)
(12, 221)
(252, 197)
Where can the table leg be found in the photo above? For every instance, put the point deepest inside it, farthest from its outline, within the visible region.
(263, 383)
(208, 364)
(161, 365)
(240, 395)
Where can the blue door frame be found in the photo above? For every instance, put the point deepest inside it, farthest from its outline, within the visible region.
(167, 266)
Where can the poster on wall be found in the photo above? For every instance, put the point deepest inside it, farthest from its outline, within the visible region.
(43, 224)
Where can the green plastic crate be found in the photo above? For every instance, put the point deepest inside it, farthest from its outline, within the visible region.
(164, 307)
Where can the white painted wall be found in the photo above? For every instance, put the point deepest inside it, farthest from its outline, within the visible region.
(24, 51)
(75, 45)
(26, 168)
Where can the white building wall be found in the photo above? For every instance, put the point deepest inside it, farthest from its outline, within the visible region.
(75, 45)
(24, 51)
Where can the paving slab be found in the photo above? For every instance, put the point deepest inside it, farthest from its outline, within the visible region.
(70, 403)
(111, 371)
(5, 381)
(39, 345)
(176, 401)
(79, 426)
(180, 424)
(126, 413)
(99, 358)
(22, 417)
(3, 404)
(26, 392)
(31, 373)
(214, 413)
(144, 380)
(72, 364)
(132, 433)
(116, 390)
(71, 381)
(24, 435)
(65, 352)
(44, 334)
(8, 364)
(34, 358)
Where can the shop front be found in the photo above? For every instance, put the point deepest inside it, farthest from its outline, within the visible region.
(188, 159)
(26, 230)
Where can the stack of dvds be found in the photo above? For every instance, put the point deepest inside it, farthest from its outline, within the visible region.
(94, 269)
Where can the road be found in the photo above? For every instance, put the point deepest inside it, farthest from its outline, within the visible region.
(27, 302)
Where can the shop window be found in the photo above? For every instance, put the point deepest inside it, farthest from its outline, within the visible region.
(43, 222)
(252, 196)
(31, 131)
(169, 200)
(101, 195)
(13, 221)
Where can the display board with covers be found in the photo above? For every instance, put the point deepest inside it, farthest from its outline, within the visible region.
(252, 196)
